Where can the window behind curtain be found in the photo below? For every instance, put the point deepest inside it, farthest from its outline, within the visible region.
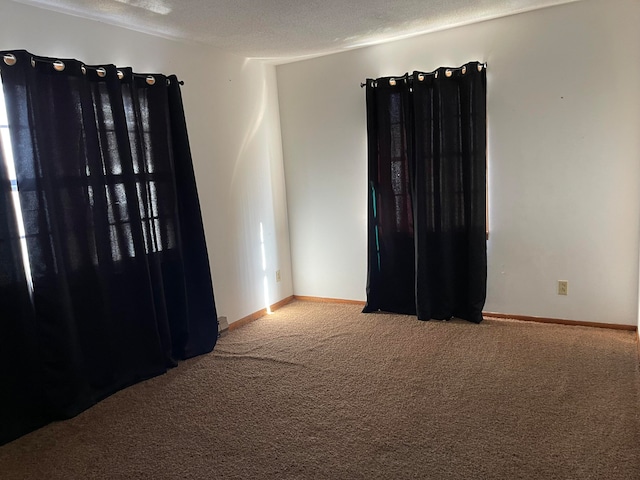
(7, 155)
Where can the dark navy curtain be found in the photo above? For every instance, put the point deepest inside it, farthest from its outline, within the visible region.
(427, 253)
(109, 282)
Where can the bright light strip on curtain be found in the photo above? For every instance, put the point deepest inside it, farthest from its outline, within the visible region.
(154, 6)
(5, 143)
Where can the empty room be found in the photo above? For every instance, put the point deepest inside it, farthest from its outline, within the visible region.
(318, 240)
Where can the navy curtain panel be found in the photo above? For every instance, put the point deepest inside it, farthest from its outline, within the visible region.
(109, 282)
(427, 252)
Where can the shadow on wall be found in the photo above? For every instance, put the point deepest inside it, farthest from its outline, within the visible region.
(253, 233)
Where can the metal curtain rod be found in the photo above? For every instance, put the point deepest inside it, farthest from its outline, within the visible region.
(58, 65)
(448, 72)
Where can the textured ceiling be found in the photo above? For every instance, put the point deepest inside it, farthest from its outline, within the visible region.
(289, 29)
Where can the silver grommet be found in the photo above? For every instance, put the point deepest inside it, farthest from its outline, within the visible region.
(464, 69)
(168, 82)
(58, 65)
(151, 80)
(10, 59)
(421, 78)
(101, 72)
(83, 69)
(448, 73)
(392, 81)
(436, 75)
(120, 74)
(480, 67)
(33, 62)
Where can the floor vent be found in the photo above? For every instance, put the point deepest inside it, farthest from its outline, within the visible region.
(223, 326)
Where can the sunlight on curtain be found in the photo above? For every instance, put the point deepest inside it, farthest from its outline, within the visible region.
(5, 144)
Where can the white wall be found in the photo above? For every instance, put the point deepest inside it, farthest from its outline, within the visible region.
(232, 116)
(564, 153)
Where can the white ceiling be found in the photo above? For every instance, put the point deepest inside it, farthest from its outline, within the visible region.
(285, 30)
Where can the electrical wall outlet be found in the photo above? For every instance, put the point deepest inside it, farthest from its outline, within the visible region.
(278, 275)
(563, 287)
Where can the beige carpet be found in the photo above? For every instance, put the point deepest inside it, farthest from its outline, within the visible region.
(320, 391)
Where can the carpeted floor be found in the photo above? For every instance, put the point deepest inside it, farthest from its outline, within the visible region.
(320, 391)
